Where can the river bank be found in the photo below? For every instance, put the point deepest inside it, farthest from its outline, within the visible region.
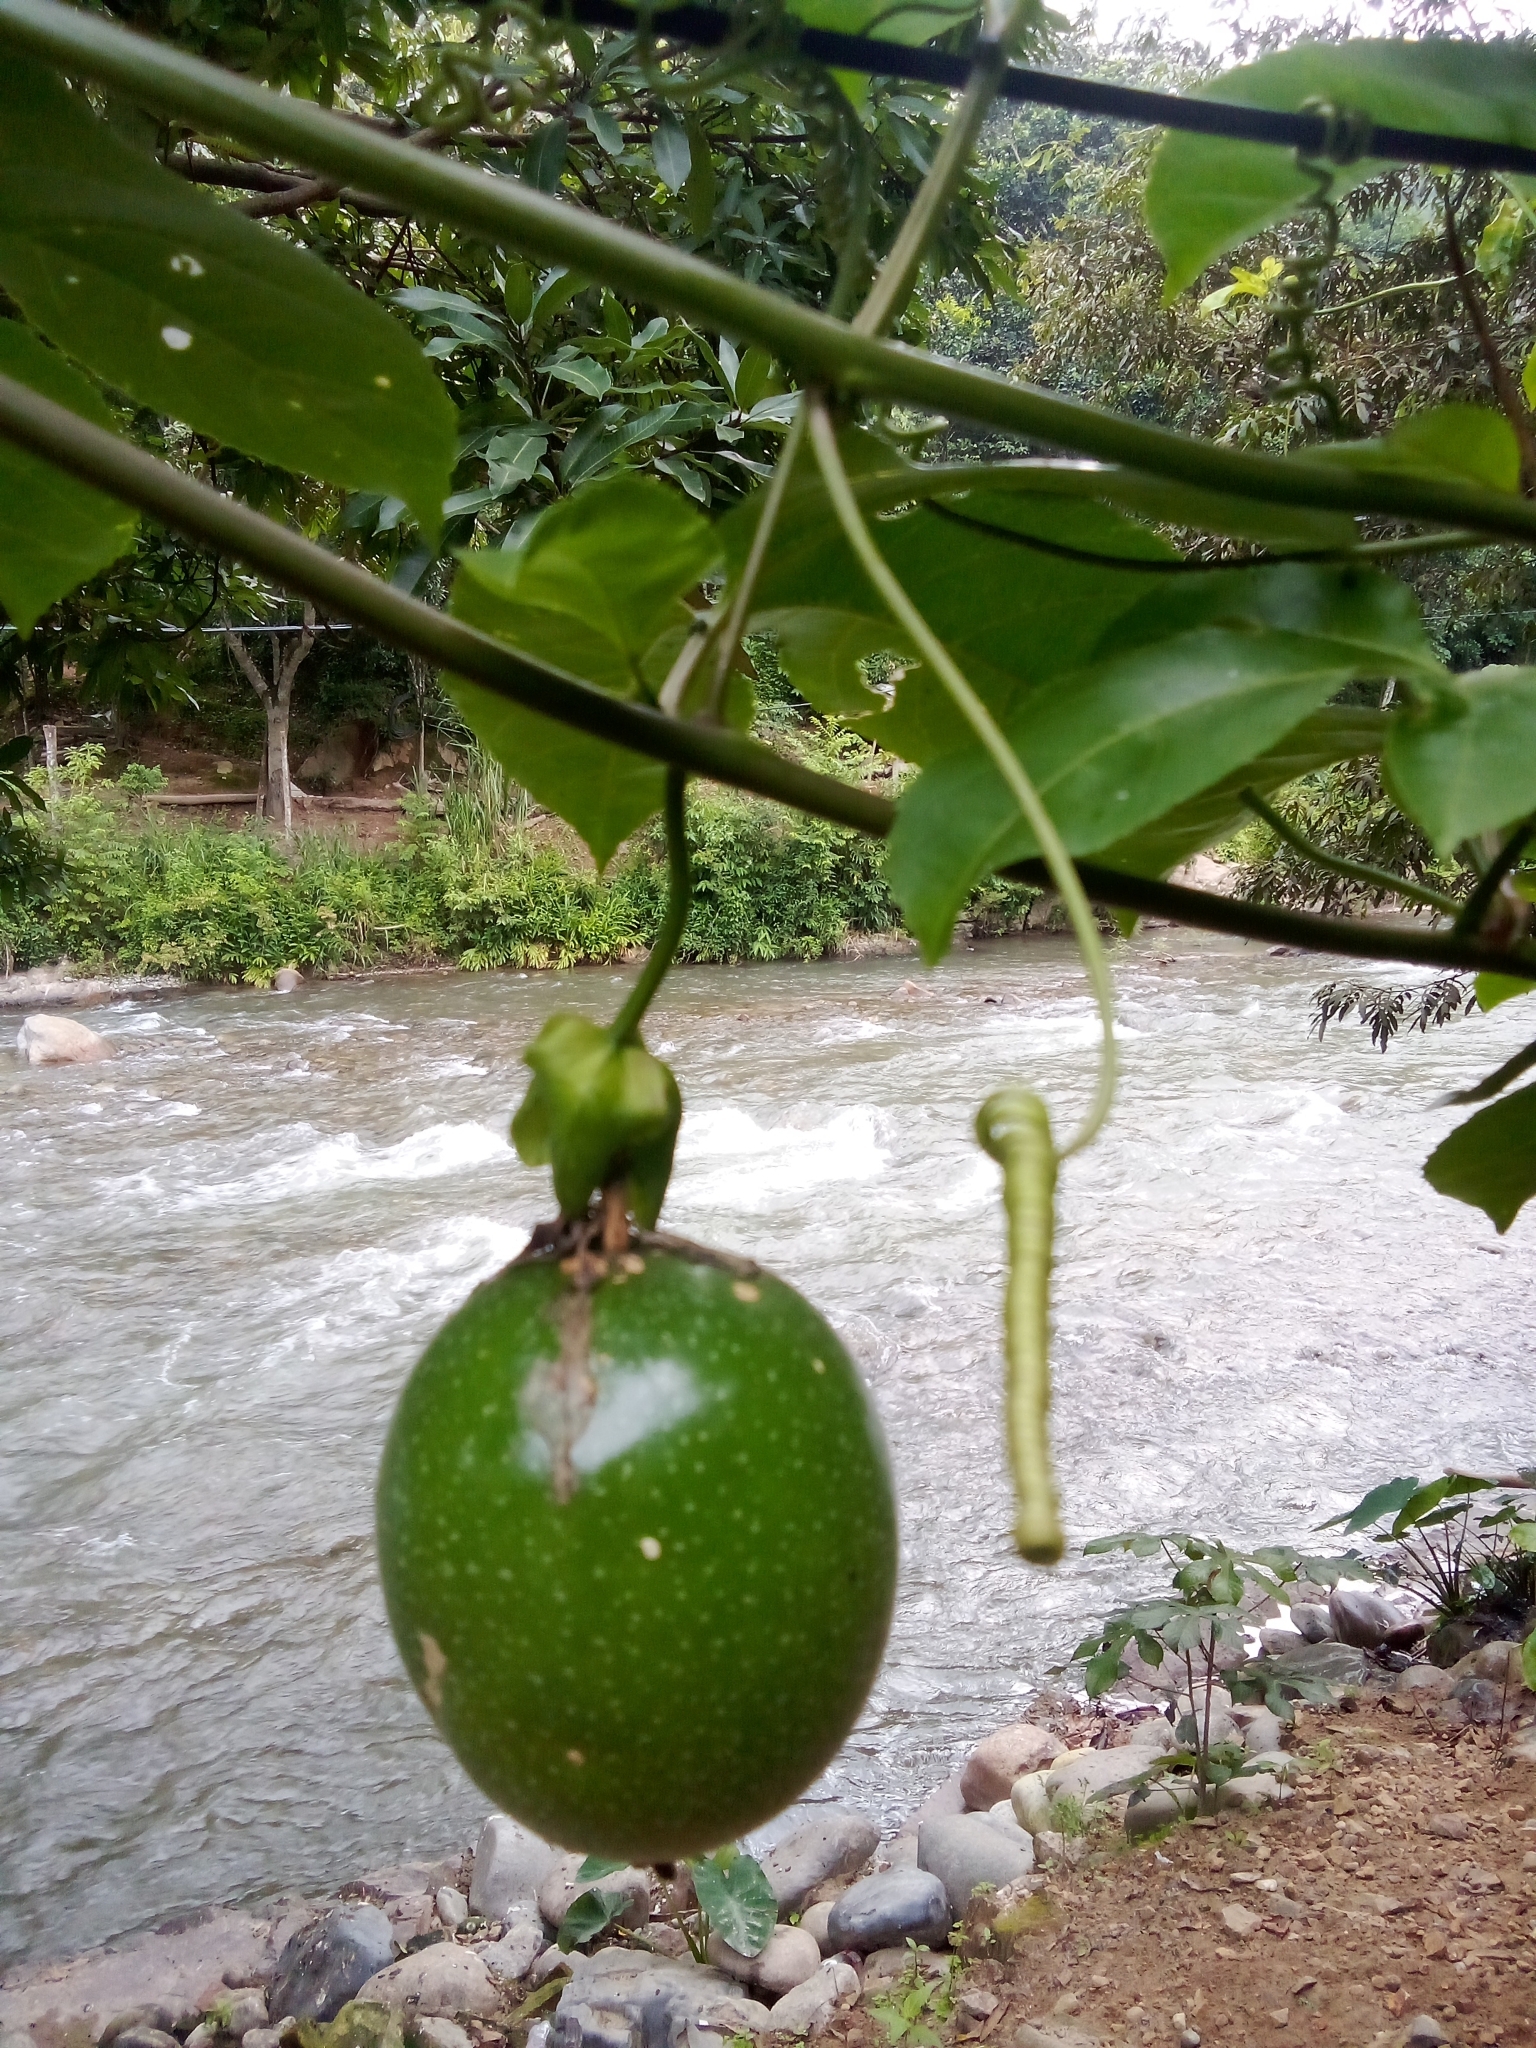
(230, 1243)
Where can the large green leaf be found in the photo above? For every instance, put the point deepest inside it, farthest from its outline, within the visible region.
(1116, 747)
(1339, 732)
(597, 590)
(193, 309)
(1463, 760)
(54, 533)
(734, 1891)
(1471, 443)
(1207, 195)
(1490, 1160)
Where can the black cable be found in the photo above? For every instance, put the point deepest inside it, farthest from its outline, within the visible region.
(1316, 135)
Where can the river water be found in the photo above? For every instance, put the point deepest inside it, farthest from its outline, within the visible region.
(226, 1249)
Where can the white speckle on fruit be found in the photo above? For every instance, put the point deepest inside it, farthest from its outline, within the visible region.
(745, 1291)
(176, 338)
(186, 266)
(384, 383)
(650, 1549)
(437, 1669)
(818, 1365)
(576, 1757)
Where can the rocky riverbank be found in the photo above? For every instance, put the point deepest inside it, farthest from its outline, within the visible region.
(1374, 1882)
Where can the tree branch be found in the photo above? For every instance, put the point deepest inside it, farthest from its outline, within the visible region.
(1352, 870)
(345, 591)
(820, 350)
(1508, 393)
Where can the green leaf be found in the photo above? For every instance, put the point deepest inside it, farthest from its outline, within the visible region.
(588, 1916)
(1490, 1161)
(734, 1891)
(54, 533)
(672, 152)
(1102, 1671)
(598, 1113)
(1528, 379)
(1469, 443)
(1528, 1662)
(204, 315)
(1108, 751)
(1339, 732)
(1207, 195)
(596, 589)
(1418, 1511)
(1493, 989)
(595, 1867)
(543, 163)
(1378, 1505)
(1463, 759)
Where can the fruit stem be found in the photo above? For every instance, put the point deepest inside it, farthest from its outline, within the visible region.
(626, 1026)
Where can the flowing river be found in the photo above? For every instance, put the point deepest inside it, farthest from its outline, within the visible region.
(227, 1248)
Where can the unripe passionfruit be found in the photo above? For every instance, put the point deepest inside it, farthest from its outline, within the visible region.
(638, 1545)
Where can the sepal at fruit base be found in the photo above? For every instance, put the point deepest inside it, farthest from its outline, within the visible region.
(598, 1113)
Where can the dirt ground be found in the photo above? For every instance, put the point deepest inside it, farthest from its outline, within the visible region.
(1400, 1881)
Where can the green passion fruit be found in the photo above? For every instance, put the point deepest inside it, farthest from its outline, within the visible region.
(638, 1545)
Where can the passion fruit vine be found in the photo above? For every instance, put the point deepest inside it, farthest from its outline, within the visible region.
(638, 1544)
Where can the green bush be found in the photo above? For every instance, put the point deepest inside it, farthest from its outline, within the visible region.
(144, 895)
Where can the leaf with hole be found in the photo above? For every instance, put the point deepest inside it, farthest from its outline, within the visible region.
(1208, 194)
(55, 533)
(1107, 750)
(595, 590)
(204, 315)
(1490, 1161)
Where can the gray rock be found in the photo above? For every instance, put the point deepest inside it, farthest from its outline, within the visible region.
(617, 1999)
(1159, 1807)
(1095, 1775)
(173, 1966)
(1003, 1818)
(1031, 1802)
(1361, 1619)
(329, 1962)
(511, 1862)
(1483, 1702)
(280, 2036)
(1053, 1847)
(521, 1945)
(1262, 1731)
(1427, 1681)
(146, 2037)
(885, 1911)
(1152, 1733)
(561, 1889)
(995, 1762)
(205, 2036)
(442, 1980)
(792, 1954)
(1313, 1623)
(808, 2008)
(1249, 1794)
(286, 981)
(1334, 1663)
(1425, 2032)
(48, 1040)
(550, 1962)
(166, 2015)
(237, 2016)
(428, 2031)
(964, 1850)
(452, 1906)
(835, 1844)
(815, 1920)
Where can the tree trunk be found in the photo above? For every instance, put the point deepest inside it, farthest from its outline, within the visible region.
(274, 790)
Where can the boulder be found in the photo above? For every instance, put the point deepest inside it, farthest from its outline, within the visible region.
(1248, 1794)
(452, 1906)
(1154, 1733)
(1095, 1775)
(146, 2037)
(1031, 1802)
(886, 1911)
(286, 980)
(172, 1968)
(1053, 1848)
(1313, 1623)
(808, 2008)
(791, 1955)
(342, 757)
(328, 1962)
(1362, 1619)
(964, 1850)
(815, 1921)
(1499, 1663)
(1261, 1728)
(1425, 1681)
(426, 2031)
(617, 1999)
(995, 1763)
(521, 1944)
(49, 1040)
(240, 2013)
(1334, 1663)
(511, 1862)
(165, 2015)
(1159, 1806)
(835, 1844)
(441, 1980)
(561, 1888)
